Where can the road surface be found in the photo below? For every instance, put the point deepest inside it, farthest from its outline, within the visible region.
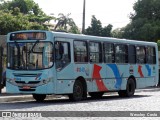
(144, 105)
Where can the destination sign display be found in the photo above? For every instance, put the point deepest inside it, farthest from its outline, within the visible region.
(28, 36)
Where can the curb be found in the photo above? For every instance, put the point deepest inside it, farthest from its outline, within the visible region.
(151, 89)
(12, 98)
(8, 97)
(20, 97)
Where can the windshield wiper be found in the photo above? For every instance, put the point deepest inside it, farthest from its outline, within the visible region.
(18, 48)
(31, 50)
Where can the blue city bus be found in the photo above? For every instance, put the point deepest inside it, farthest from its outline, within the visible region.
(43, 63)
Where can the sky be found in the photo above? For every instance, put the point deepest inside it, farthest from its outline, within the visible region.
(115, 12)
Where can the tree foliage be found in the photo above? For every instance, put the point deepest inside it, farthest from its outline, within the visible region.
(106, 31)
(25, 6)
(117, 33)
(21, 15)
(65, 23)
(96, 28)
(145, 22)
(74, 29)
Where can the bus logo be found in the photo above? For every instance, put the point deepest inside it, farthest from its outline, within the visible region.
(83, 70)
(131, 71)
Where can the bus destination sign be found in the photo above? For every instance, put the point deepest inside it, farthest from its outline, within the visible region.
(28, 36)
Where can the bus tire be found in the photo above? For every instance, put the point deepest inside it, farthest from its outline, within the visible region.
(96, 94)
(130, 89)
(78, 91)
(39, 97)
(122, 93)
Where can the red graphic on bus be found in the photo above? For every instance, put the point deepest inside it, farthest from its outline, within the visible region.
(96, 76)
(140, 71)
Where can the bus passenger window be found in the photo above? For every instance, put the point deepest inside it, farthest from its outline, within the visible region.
(59, 50)
(121, 53)
(95, 52)
(62, 54)
(141, 55)
(151, 56)
(80, 51)
(109, 56)
(132, 54)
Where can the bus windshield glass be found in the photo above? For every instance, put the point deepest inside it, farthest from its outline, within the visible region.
(30, 55)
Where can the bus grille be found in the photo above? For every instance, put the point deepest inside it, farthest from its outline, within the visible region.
(25, 75)
(30, 82)
(22, 82)
(27, 89)
(33, 82)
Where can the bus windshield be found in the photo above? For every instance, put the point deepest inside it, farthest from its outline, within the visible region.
(30, 55)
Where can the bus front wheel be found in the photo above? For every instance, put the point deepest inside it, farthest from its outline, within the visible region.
(130, 89)
(39, 97)
(77, 91)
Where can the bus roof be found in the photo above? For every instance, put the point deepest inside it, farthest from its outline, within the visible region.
(89, 37)
(103, 39)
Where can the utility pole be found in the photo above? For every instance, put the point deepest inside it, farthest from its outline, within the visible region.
(84, 12)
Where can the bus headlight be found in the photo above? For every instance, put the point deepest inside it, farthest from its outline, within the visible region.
(10, 80)
(46, 81)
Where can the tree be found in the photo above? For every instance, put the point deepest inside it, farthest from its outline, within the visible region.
(106, 31)
(96, 28)
(22, 15)
(145, 22)
(10, 22)
(74, 29)
(64, 21)
(28, 10)
(25, 6)
(117, 33)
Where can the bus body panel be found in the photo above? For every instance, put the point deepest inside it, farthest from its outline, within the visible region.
(65, 80)
(98, 76)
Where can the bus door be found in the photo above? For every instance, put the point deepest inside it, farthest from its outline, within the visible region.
(63, 66)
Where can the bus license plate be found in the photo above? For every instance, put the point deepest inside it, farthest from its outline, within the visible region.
(26, 87)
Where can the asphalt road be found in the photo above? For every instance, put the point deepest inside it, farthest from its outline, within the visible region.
(143, 105)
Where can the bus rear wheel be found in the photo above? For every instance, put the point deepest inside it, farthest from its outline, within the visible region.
(78, 91)
(39, 97)
(96, 94)
(130, 89)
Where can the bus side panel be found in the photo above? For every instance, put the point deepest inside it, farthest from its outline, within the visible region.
(108, 83)
(118, 74)
(139, 72)
(98, 77)
(112, 77)
(65, 80)
(145, 75)
(151, 73)
(84, 71)
(108, 77)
